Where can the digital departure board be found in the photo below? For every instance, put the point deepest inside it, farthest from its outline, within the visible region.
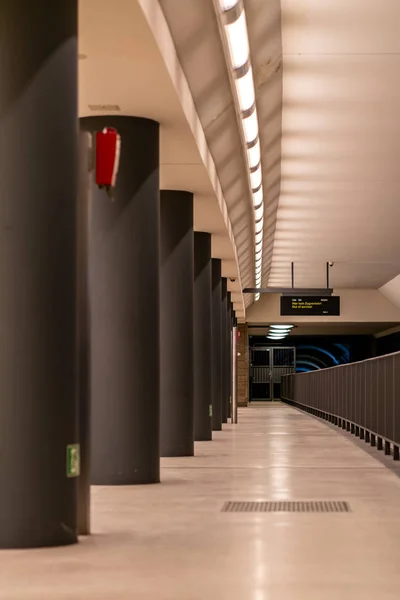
(313, 306)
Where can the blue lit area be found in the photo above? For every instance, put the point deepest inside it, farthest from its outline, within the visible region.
(321, 352)
(321, 355)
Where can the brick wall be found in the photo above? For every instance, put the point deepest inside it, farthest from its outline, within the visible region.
(243, 365)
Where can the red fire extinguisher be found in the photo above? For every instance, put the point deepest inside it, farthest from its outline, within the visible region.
(108, 149)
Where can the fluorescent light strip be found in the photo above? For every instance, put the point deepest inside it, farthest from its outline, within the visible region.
(255, 179)
(259, 212)
(240, 62)
(253, 154)
(250, 127)
(258, 197)
(281, 335)
(245, 91)
(279, 332)
(227, 4)
(259, 225)
(238, 42)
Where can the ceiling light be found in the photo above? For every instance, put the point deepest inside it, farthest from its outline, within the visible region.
(258, 197)
(279, 333)
(253, 155)
(281, 326)
(284, 333)
(259, 237)
(227, 4)
(259, 225)
(250, 127)
(255, 178)
(257, 296)
(276, 334)
(259, 212)
(258, 261)
(238, 42)
(259, 247)
(273, 337)
(245, 91)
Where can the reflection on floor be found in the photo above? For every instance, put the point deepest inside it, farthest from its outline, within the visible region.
(172, 542)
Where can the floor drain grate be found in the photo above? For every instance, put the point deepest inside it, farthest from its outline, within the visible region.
(327, 506)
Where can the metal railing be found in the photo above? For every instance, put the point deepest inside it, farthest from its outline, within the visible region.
(363, 398)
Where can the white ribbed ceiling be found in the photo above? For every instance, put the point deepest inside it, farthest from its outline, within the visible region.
(340, 188)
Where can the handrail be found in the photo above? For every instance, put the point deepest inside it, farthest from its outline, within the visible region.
(363, 398)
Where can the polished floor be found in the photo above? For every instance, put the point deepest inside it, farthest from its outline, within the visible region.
(172, 542)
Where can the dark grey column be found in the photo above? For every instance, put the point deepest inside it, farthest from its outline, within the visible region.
(124, 303)
(216, 352)
(83, 328)
(229, 351)
(38, 351)
(225, 355)
(234, 409)
(202, 337)
(176, 346)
